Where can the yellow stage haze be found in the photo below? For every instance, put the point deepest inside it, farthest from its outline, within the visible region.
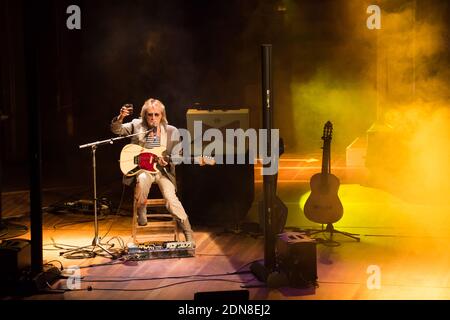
(397, 78)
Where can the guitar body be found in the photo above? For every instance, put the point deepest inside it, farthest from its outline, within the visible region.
(134, 158)
(323, 204)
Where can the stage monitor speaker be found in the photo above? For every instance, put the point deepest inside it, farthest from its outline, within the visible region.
(233, 295)
(15, 256)
(297, 258)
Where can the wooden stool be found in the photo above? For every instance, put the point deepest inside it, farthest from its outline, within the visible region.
(159, 225)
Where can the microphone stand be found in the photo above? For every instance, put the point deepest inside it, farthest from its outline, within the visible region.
(94, 145)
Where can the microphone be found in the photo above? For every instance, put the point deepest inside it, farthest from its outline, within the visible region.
(151, 129)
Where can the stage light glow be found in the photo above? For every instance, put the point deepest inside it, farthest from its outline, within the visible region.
(374, 211)
(396, 76)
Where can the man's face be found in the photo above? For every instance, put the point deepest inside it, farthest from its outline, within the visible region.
(153, 116)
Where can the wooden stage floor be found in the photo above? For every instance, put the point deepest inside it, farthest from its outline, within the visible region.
(407, 241)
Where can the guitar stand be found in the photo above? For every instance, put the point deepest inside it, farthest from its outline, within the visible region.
(330, 228)
(236, 227)
(238, 230)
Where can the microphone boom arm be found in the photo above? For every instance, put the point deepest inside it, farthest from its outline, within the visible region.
(111, 140)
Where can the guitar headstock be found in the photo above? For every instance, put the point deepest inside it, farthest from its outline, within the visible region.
(327, 131)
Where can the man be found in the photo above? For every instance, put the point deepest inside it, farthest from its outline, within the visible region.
(155, 132)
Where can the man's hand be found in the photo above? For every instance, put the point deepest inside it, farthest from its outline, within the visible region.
(162, 162)
(125, 111)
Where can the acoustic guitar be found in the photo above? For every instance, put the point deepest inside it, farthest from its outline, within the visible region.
(323, 204)
(134, 158)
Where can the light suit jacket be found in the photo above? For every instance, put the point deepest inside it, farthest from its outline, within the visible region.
(170, 137)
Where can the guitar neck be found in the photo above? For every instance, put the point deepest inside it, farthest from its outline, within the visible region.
(326, 157)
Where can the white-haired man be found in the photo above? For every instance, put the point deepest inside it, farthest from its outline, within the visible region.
(156, 132)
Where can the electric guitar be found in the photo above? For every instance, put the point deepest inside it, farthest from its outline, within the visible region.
(134, 158)
(323, 204)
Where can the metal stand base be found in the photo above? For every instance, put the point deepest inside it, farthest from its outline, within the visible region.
(90, 251)
(330, 229)
(272, 279)
(242, 229)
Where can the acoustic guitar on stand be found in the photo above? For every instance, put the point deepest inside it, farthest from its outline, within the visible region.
(323, 204)
(134, 158)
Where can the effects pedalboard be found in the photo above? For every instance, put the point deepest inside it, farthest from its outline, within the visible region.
(160, 250)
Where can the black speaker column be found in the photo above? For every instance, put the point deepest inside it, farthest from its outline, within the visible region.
(31, 66)
(264, 272)
(40, 276)
(268, 180)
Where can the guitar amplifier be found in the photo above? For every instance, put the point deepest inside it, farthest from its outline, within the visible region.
(297, 258)
(221, 120)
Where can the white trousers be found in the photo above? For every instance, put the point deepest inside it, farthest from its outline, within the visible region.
(144, 181)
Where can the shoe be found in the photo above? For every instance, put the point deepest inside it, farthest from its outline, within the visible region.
(187, 230)
(142, 223)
